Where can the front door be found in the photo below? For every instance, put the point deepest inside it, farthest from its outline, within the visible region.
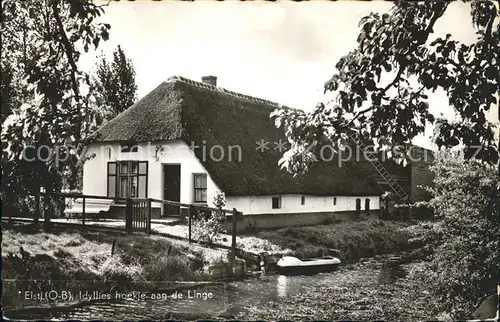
(171, 187)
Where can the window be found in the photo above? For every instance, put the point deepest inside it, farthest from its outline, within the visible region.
(334, 201)
(358, 206)
(200, 187)
(367, 206)
(128, 179)
(276, 202)
(128, 147)
(303, 200)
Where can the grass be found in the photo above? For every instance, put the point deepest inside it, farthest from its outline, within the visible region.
(70, 259)
(245, 242)
(353, 239)
(259, 245)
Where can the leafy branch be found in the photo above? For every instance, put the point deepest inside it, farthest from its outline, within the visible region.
(398, 42)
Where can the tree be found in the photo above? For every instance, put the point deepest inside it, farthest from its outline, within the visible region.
(116, 83)
(7, 91)
(397, 46)
(52, 108)
(464, 268)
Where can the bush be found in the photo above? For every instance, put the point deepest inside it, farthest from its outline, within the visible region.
(464, 268)
(208, 226)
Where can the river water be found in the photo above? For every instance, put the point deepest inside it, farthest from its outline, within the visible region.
(227, 300)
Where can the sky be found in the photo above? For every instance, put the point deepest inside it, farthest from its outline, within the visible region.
(280, 51)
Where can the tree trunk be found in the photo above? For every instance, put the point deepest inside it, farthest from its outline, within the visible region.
(47, 211)
(48, 202)
(36, 215)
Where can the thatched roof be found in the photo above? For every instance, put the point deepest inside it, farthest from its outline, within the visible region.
(207, 115)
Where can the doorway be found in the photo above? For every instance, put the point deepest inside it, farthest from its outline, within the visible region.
(171, 188)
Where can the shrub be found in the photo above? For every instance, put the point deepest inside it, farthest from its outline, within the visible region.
(209, 226)
(464, 268)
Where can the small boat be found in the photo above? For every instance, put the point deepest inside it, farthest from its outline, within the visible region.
(289, 265)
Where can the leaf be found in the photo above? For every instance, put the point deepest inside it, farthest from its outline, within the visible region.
(105, 35)
(361, 38)
(359, 101)
(95, 41)
(370, 85)
(363, 20)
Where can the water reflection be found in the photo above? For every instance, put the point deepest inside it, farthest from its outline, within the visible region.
(282, 286)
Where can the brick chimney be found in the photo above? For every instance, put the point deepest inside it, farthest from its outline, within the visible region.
(210, 80)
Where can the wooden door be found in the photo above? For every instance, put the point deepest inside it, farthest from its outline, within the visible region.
(171, 188)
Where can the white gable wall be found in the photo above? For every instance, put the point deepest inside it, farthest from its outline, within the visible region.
(174, 152)
(291, 203)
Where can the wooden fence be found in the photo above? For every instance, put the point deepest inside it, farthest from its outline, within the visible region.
(138, 213)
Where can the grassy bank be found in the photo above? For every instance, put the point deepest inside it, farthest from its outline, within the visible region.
(354, 239)
(75, 260)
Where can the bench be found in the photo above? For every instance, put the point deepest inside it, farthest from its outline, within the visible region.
(92, 207)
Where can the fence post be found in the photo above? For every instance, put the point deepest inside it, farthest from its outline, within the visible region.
(128, 216)
(233, 243)
(37, 206)
(83, 211)
(143, 215)
(149, 217)
(190, 215)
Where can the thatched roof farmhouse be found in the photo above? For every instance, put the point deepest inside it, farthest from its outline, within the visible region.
(185, 113)
(182, 109)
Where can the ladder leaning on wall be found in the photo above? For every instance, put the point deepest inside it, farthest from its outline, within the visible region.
(373, 159)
